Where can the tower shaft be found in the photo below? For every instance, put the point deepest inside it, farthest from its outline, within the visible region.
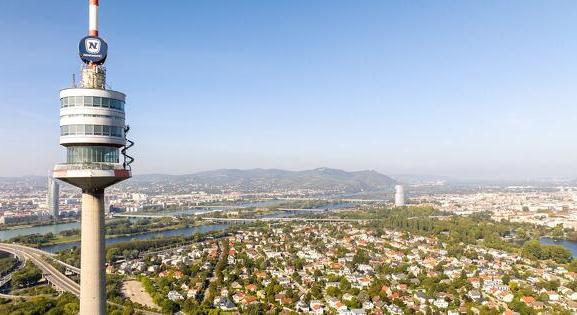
(92, 273)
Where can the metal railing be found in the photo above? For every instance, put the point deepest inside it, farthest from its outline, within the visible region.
(89, 166)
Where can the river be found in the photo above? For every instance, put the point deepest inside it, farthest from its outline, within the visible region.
(570, 245)
(60, 227)
(145, 236)
(42, 229)
(57, 228)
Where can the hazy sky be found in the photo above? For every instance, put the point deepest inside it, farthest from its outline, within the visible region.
(484, 89)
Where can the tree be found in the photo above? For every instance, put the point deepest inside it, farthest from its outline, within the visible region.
(332, 291)
(316, 290)
(534, 249)
(169, 306)
(506, 278)
(344, 284)
(71, 308)
(256, 309)
(110, 253)
(128, 310)
(26, 276)
(360, 257)
(557, 231)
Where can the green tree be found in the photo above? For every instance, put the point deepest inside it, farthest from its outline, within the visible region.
(26, 276)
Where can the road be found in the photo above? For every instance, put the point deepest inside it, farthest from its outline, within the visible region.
(53, 275)
(25, 249)
(142, 216)
(282, 219)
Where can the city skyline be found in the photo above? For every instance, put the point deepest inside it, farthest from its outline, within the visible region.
(463, 90)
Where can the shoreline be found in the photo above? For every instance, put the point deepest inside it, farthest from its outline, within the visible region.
(26, 226)
(77, 238)
(568, 244)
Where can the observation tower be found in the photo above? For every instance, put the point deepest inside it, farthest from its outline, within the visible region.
(93, 131)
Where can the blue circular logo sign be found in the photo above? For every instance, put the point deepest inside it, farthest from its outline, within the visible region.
(93, 49)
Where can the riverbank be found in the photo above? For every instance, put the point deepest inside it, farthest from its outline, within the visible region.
(40, 224)
(63, 238)
(57, 228)
(76, 237)
(144, 236)
(266, 207)
(180, 229)
(568, 244)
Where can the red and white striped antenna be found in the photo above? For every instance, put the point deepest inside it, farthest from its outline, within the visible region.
(93, 18)
(92, 49)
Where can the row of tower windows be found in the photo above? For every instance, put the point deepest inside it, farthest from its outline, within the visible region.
(91, 154)
(96, 130)
(95, 101)
(95, 116)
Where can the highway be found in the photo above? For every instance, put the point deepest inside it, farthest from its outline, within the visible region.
(20, 264)
(29, 249)
(219, 207)
(21, 248)
(74, 269)
(304, 210)
(51, 274)
(334, 199)
(143, 215)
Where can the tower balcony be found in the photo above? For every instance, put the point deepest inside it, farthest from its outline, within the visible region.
(91, 176)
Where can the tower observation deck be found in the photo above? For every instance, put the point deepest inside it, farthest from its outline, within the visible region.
(93, 131)
(92, 128)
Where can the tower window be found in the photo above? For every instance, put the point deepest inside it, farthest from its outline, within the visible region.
(91, 154)
(95, 101)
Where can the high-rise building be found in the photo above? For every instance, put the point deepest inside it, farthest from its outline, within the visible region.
(399, 196)
(53, 197)
(93, 131)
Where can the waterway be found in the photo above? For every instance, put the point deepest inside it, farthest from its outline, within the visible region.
(188, 231)
(145, 236)
(57, 228)
(60, 227)
(570, 245)
(42, 229)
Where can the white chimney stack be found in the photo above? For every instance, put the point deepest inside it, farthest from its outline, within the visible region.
(399, 196)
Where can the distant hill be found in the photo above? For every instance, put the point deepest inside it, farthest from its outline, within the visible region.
(269, 179)
(32, 181)
(422, 179)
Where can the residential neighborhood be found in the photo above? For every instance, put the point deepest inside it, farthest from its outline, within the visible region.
(347, 269)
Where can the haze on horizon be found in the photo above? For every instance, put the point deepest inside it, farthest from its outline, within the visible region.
(464, 89)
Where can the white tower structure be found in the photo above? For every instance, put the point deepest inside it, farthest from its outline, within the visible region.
(92, 129)
(53, 197)
(399, 196)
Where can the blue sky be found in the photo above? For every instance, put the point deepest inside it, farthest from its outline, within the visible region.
(468, 89)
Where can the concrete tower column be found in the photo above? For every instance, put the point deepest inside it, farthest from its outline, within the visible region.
(92, 273)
